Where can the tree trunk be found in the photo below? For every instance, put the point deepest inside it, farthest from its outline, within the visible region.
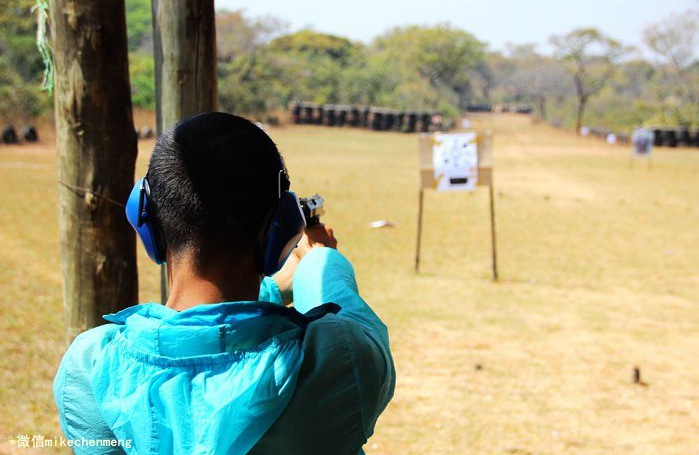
(97, 151)
(184, 48)
(582, 102)
(541, 101)
(185, 59)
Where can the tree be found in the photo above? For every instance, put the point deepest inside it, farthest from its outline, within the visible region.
(536, 78)
(628, 99)
(139, 25)
(590, 57)
(238, 35)
(142, 75)
(250, 78)
(251, 85)
(184, 54)
(482, 80)
(314, 65)
(184, 45)
(18, 44)
(314, 45)
(96, 159)
(634, 79)
(674, 41)
(21, 67)
(442, 56)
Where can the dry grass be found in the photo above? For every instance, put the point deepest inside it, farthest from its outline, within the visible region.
(599, 267)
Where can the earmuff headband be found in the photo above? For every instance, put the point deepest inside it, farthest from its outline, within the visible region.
(144, 194)
(279, 234)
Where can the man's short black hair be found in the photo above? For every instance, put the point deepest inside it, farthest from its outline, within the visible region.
(215, 181)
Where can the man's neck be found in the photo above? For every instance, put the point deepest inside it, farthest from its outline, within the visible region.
(190, 287)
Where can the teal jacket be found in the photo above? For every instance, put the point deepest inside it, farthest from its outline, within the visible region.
(232, 378)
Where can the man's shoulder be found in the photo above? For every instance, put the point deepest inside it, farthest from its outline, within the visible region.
(96, 335)
(340, 350)
(345, 381)
(336, 331)
(90, 343)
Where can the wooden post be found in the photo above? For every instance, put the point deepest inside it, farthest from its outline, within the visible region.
(184, 33)
(96, 146)
(184, 47)
(419, 231)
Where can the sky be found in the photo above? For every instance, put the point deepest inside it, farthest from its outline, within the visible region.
(496, 22)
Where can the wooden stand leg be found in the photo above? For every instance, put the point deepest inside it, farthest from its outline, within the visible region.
(419, 231)
(492, 232)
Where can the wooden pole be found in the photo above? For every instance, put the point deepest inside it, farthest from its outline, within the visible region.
(419, 231)
(184, 33)
(184, 48)
(96, 147)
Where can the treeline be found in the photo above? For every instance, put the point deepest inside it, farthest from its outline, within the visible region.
(590, 79)
(21, 68)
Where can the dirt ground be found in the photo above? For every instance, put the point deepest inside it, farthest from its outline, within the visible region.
(599, 265)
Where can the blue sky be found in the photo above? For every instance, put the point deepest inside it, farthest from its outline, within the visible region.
(496, 22)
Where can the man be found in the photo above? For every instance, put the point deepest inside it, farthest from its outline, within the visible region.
(224, 367)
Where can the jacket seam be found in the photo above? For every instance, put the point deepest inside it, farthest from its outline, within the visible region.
(357, 385)
(207, 359)
(63, 401)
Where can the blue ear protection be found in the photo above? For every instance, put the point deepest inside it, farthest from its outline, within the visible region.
(283, 233)
(141, 216)
(277, 241)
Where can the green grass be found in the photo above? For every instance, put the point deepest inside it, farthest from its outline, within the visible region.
(599, 267)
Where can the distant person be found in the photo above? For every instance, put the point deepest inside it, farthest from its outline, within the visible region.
(224, 367)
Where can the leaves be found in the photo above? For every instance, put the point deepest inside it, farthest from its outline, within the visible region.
(139, 25)
(590, 57)
(21, 67)
(261, 67)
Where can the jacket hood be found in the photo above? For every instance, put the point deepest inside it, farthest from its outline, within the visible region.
(210, 379)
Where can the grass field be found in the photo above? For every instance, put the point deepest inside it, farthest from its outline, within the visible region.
(599, 266)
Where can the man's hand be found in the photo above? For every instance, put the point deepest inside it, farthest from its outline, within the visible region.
(319, 235)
